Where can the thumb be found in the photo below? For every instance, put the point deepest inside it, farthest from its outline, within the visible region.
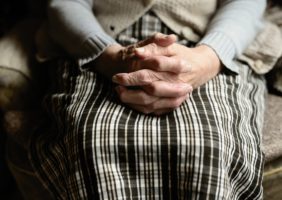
(165, 40)
(159, 39)
(156, 45)
(152, 49)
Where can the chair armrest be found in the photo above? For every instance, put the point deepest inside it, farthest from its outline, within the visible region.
(272, 134)
(17, 66)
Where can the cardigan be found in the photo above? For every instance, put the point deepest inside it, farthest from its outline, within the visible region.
(84, 28)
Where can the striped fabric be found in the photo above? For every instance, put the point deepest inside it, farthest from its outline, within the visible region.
(208, 148)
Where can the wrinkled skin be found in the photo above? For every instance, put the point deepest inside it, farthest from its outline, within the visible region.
(163, 72)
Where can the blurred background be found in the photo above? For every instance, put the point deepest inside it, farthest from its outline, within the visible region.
(12, 12)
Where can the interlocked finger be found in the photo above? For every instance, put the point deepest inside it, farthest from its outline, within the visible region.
(157, 42)
(138, 97)
(159, 105)
(159, 39)
(163, 64)
(144, 77)
(137, 78)
(167, 89)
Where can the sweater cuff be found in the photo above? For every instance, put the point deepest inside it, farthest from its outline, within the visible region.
(94, 46)
(224, 47)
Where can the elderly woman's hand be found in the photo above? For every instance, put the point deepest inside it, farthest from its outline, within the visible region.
(158, 69)
(160, 99)
(175, 63)
(117, 59)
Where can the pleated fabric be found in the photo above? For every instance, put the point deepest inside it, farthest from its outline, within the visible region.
(97, 148)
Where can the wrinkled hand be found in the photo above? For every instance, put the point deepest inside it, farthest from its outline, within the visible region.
(158, 97)
(116, 58)
(175, 63)
(159, 68)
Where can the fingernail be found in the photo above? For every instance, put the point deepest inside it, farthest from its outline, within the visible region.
(140, 50)
(190, 88)
(115, 79)
(185, 67)
(164, 36)
(173, 35)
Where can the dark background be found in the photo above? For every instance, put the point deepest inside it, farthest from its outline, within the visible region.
(11, 12)
(278, 2)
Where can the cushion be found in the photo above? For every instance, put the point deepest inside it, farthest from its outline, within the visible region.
(17, 69)
(272, 134)
(272, 180)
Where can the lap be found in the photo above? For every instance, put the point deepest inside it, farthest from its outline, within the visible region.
(210, 146)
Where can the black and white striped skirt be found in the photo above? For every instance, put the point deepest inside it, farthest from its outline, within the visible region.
(97, 148)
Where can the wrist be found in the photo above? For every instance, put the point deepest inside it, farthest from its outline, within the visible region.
(211, 59)
(109, 62)
(113, 53)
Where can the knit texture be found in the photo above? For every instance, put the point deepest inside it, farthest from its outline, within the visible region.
(186, 18)
(74, 20)
(85, 28)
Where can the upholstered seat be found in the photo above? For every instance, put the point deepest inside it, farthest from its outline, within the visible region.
(272, 145)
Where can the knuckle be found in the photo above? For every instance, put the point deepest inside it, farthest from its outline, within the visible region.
(152, 89)
(179, 77)
(145, 100)
(178, 65)
(157, 63)
(175, 103)
(130, 80)
(125, 79)
(144, 76)
(157, 35)
(179, 92)
(182, 64)
(169, 50)
(152, 47)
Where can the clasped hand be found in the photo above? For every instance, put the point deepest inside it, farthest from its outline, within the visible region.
(162, 72)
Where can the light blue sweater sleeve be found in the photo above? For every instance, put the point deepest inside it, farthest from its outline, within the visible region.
(72, 24)
(233, 28)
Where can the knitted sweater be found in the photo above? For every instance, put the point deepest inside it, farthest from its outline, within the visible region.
(84, 28)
